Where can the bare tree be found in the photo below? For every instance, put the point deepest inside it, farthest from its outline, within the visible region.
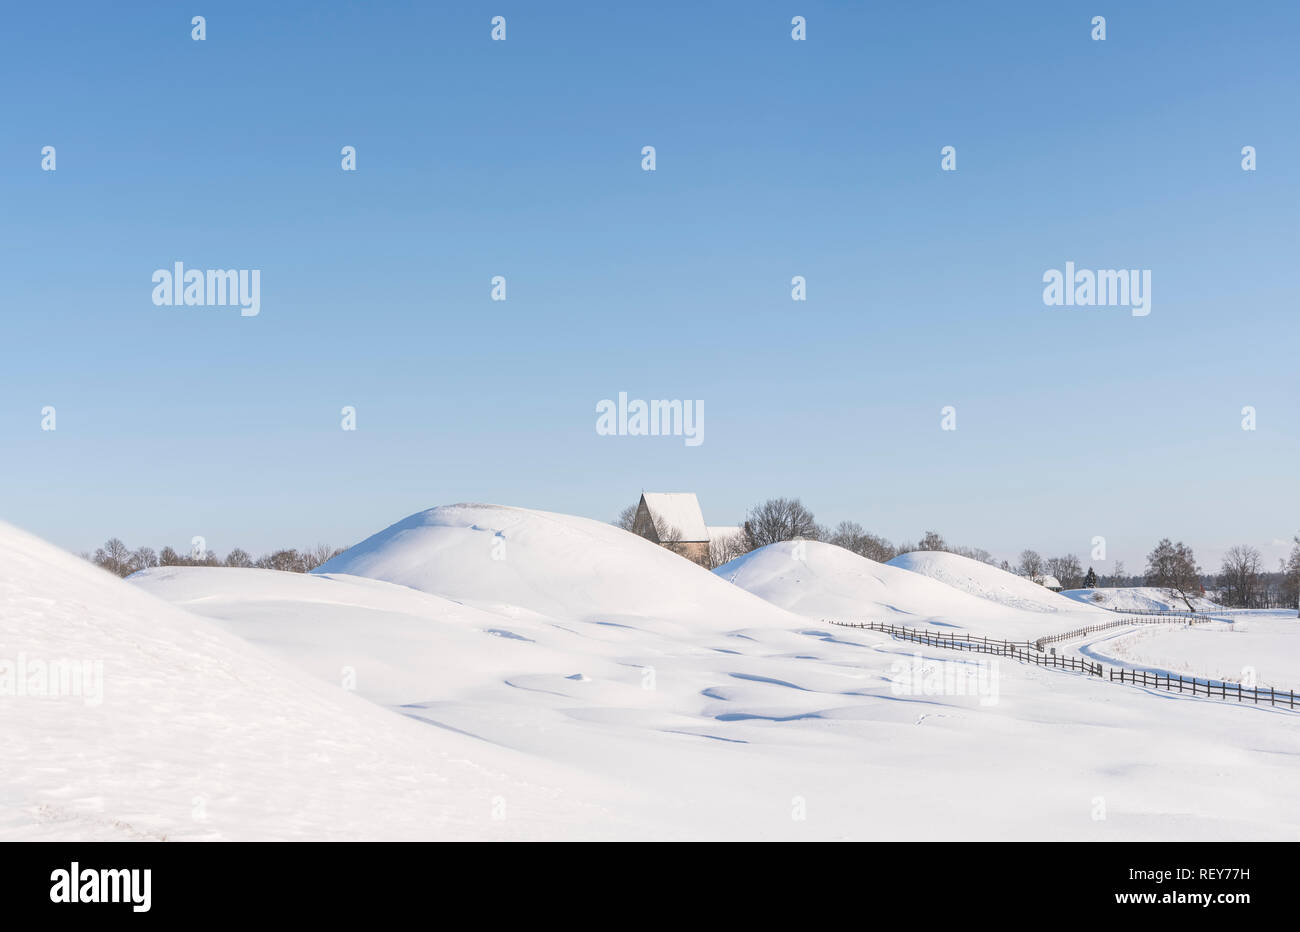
(1239, 576)
(1290, 583)
(932, 540)
(288, 561)
(726, 548)
(1031, 565)
(238, 557)
(115, 557)
(1067, 570)
(851, 536)
(626, 518)
(1173, 567)
(143, 559)
(779, 519)
(313, 557)
(975, 553)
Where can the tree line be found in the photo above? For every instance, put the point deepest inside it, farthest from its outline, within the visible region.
(121, 560)
(1240, 583)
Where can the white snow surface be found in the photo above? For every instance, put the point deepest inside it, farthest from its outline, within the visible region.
(719, 715)
(595, 686)
(1138, 598)
(824, 581)
(518, 560)
(199, 735)
(1260, 647)
(985, 581)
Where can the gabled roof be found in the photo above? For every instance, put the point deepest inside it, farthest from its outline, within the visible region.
(680, 510)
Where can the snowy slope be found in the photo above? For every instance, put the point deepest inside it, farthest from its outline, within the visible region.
(823, 581)
(191, 733)
(554, 565)
(1139, 598)
(986, 582)
(1261, 647)
(721, 716)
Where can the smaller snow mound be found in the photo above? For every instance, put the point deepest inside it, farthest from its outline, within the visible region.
(816, 579)
(1138, 598)
(984, 581)
(820, 580)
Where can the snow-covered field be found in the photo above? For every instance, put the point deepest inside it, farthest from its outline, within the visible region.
(1138, 598)
(578, 681)
(1262, 645)
(175, 729)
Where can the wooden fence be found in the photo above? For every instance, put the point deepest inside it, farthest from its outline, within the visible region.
(1162, 612)
(940, 638)
(1211, 689)
(1119, 622)
(1023, 651)
(1032, 652)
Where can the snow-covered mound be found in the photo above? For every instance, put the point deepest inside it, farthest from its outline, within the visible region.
(822, 580)
(712, 725)
(399, 645)
(1138, 598)
(163, 726)
(560, 566)
(985, 581)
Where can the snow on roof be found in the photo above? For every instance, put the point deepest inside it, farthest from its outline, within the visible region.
(719, 534)
(1051, 582)
(680, 510)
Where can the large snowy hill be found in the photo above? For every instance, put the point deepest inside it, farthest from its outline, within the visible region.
(582, 683)
(584, 647)
(172, 728)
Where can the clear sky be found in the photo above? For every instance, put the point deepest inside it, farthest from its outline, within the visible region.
(775, 158)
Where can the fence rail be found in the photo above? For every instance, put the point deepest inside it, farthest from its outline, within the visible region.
(1212, 689)
(940, 638)
(1032, 652)
(1024, 651)
(1163, 612)
(1117, 623)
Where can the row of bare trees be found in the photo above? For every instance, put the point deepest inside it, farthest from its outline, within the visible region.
(120, 560)
(1241, 582)
(1244, 583)
(781, 519)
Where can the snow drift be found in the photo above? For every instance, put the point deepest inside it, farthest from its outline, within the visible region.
(824, 581)
(555, 565)
(1138, 598)
(707, 710)
(986, 582)
(184, 731)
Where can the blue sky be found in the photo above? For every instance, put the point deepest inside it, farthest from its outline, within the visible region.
(775, 158)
